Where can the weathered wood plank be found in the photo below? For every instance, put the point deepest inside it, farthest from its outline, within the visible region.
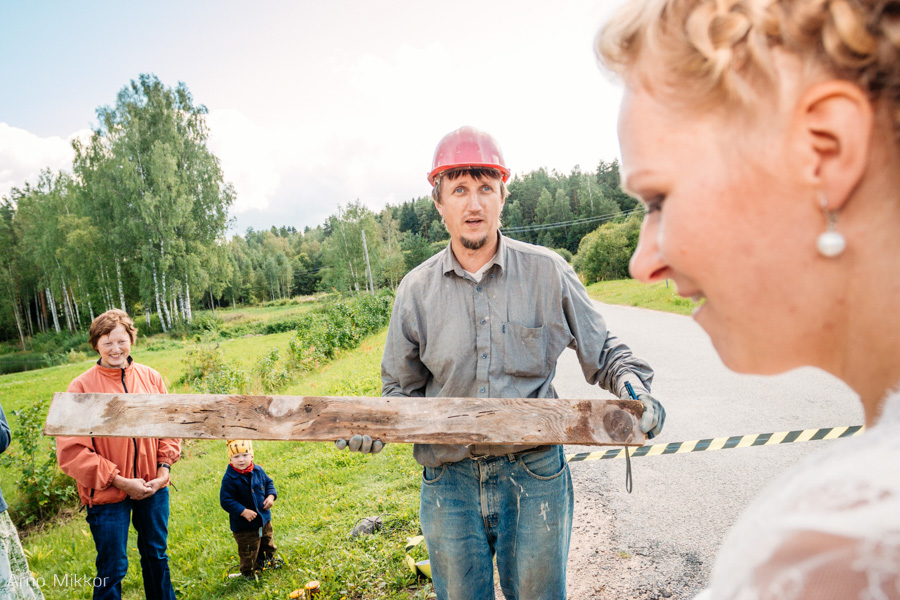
(313, 418)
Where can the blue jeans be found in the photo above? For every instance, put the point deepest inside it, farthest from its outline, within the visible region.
(109, 526)
(518, 508)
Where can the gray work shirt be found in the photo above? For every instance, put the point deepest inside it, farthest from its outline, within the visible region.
(451, 336)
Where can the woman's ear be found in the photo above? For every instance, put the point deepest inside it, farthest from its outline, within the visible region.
(835, 120)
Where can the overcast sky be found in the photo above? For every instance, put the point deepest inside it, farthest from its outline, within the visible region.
(315, 104)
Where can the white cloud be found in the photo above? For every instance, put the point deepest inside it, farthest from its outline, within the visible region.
(23, 155)
(248, 157)
(319, 105)
(367, 128)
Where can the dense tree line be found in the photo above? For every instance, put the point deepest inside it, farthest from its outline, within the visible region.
(135, 225)
(140, 224)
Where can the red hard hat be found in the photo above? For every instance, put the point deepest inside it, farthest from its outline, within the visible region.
(467, 147)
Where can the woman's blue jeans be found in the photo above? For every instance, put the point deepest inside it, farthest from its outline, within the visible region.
(109, 526)
(517, 507)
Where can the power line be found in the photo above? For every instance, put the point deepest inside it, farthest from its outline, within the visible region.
(582, 221)
(570, 223)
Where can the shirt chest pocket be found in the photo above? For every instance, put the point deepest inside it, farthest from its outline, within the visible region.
(524, 350)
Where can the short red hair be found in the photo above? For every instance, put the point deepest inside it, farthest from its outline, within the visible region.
(105, 323)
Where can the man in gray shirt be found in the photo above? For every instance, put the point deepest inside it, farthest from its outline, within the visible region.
(488, 317)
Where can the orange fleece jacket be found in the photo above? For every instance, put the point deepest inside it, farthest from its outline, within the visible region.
(95, 462)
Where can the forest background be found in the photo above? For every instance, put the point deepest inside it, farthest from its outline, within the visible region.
(140, 224)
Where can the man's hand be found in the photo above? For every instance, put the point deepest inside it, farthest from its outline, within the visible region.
(654, 416)
(248, 514)
(361, 443)
(268, 502)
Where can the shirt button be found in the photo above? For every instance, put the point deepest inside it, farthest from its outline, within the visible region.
(482, 390)
(478, 289)
(483, 321)
(484, 356)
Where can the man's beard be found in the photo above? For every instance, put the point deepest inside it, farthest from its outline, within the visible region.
(473, 244)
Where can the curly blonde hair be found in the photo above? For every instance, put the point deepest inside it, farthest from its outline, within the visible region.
(721, 51)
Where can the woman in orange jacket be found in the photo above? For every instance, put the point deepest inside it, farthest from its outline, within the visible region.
(122, 479)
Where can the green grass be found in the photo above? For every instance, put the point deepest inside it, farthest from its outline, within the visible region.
(322, 494)
(629, 292)
(260, 314)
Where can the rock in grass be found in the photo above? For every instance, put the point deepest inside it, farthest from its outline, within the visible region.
(366, 526)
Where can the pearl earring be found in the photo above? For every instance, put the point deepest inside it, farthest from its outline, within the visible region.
(830, 243)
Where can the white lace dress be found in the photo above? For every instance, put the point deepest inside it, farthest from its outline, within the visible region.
(828, 529)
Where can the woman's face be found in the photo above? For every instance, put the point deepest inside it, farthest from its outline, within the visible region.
(114, 348)
(728, 221)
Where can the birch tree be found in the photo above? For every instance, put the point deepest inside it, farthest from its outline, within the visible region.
(148, 169)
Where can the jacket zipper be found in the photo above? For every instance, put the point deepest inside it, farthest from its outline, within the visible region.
(90, 503)
(133, 440)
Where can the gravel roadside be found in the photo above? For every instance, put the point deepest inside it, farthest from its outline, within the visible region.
(660, 541)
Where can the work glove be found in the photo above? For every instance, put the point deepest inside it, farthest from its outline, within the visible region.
(654, 416)
(361, 443)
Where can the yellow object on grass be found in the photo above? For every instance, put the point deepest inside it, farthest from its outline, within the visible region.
(421, 568)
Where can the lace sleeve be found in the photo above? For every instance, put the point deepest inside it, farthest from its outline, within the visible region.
(828, 529)
(819, 566)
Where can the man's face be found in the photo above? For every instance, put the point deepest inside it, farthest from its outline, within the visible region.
(471, 210)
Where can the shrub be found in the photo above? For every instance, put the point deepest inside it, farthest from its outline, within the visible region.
(55, 348)
(43, 488)
(227, 379)
(76, 356)
(202, 323)
(161, 344)
(271, 377)
(564, 253)
(280, 325)
(206, 322)
(208, 372)
(341, 327)
(604, 253)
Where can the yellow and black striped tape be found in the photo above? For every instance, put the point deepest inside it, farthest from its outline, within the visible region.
(725, 443)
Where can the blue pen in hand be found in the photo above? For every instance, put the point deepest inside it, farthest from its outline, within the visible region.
(630, 390)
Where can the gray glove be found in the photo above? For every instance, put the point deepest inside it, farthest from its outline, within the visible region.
(654, 416)
(361, 443)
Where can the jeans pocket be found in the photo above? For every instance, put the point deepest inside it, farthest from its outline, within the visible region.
(543, 465)
(431, 475)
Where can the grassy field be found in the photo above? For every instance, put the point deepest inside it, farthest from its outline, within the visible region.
(322, 492)
(629, 292)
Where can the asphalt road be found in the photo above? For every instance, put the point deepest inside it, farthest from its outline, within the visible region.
(660, 541)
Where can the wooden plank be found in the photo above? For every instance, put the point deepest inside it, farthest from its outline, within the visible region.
(313, 418)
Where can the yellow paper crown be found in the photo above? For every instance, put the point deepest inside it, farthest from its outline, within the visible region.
(239, 447)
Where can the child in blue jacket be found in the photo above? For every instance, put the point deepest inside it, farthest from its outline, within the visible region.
(247, 494)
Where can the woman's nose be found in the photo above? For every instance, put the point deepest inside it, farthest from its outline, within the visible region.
(647, 264)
